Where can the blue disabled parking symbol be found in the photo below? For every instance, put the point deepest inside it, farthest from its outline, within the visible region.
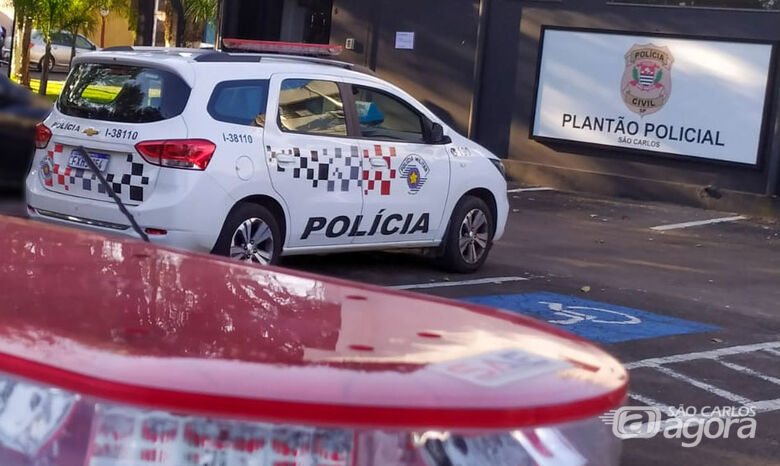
(593, 320)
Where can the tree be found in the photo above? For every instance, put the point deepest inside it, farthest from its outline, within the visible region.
(197, 14)
(80, 17)
(24, 10)
(71, 15)
(48, 17)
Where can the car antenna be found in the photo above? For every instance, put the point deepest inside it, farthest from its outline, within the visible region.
(110, 190)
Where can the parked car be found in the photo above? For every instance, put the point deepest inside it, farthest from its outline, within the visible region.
(114, 352)
(61, 45)
(257, 156)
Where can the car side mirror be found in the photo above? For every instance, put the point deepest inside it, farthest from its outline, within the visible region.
(436, 135)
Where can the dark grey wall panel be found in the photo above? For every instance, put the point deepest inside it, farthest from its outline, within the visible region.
(439, 71)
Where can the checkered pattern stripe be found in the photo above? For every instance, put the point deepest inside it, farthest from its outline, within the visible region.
(331, 169)
(126, 178)
(379, 179)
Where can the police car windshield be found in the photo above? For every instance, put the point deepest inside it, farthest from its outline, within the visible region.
(123, 93)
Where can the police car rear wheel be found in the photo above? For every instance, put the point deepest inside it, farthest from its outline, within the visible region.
(470, 236)
(250, 234)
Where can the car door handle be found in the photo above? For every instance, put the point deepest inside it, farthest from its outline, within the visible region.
(285, 158)
(378, 162)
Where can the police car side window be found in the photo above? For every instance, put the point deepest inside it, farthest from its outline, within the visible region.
(311, 107)
(385, 117)
(242, 102)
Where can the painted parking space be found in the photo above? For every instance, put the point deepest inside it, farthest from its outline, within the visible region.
(597, 321)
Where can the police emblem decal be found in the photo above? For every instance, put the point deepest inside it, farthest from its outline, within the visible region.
(647, 79)
(415, 171)
(46, 171)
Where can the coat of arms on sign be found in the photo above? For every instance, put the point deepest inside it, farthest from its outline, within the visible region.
(647, 78)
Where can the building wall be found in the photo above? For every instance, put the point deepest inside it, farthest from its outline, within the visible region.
(440, 69)
(118, 31)
(440, 72)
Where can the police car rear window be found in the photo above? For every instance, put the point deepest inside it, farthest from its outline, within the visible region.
(123, 93)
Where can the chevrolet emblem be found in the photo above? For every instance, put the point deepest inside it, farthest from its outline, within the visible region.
(90, 131)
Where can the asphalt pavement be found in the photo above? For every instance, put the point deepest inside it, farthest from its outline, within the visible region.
(58, 74)
(687, 298)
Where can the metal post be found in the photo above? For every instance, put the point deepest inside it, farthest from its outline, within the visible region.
(773, 176)
(154, 22)
(479, 53)
(103, 32)
(103, 14)
(218, 26)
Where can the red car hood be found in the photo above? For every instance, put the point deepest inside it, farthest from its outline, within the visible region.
(134, 323)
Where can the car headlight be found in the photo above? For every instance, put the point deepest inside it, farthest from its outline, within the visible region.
(499, 164)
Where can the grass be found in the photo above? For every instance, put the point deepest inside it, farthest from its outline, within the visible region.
(53, 88)
(97, 94)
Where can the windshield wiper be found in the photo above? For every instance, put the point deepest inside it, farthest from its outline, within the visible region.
(110, 190)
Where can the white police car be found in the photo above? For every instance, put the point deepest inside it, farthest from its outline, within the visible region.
(256, 156)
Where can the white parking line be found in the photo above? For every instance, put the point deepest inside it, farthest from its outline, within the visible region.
(749, 371)
(649, 402)
(712, 354)
(528, 190)
(704, 386)
(478, 281)
(676, 226)
(767, 406)
(762, 406)
(772, 351)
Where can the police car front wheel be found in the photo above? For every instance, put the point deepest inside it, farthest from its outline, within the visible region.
(469, 237)
(251, 234)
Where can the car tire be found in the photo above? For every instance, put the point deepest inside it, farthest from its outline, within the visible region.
(51, 64)
(469, 236)
(256, 224)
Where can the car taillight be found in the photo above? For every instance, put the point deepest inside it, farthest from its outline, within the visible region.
(42, 136)
(191, 154)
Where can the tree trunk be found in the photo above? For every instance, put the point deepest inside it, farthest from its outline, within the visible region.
(193, 35)
(75, 33)
(45, 70)
(170, 24)
(22, 52)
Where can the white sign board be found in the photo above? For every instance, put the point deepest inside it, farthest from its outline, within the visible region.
(404, 40)
(696, 98)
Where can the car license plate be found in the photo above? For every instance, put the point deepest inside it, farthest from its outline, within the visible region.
(77, 161)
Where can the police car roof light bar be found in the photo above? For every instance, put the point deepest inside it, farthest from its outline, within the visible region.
(290, 48)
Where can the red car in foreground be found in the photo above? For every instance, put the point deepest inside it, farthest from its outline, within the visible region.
(115, 353)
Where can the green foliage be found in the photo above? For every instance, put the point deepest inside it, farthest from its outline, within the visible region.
(200, 11)
(80, 17)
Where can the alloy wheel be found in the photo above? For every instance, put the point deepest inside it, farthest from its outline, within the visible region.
(252, 242)
(473, 238)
